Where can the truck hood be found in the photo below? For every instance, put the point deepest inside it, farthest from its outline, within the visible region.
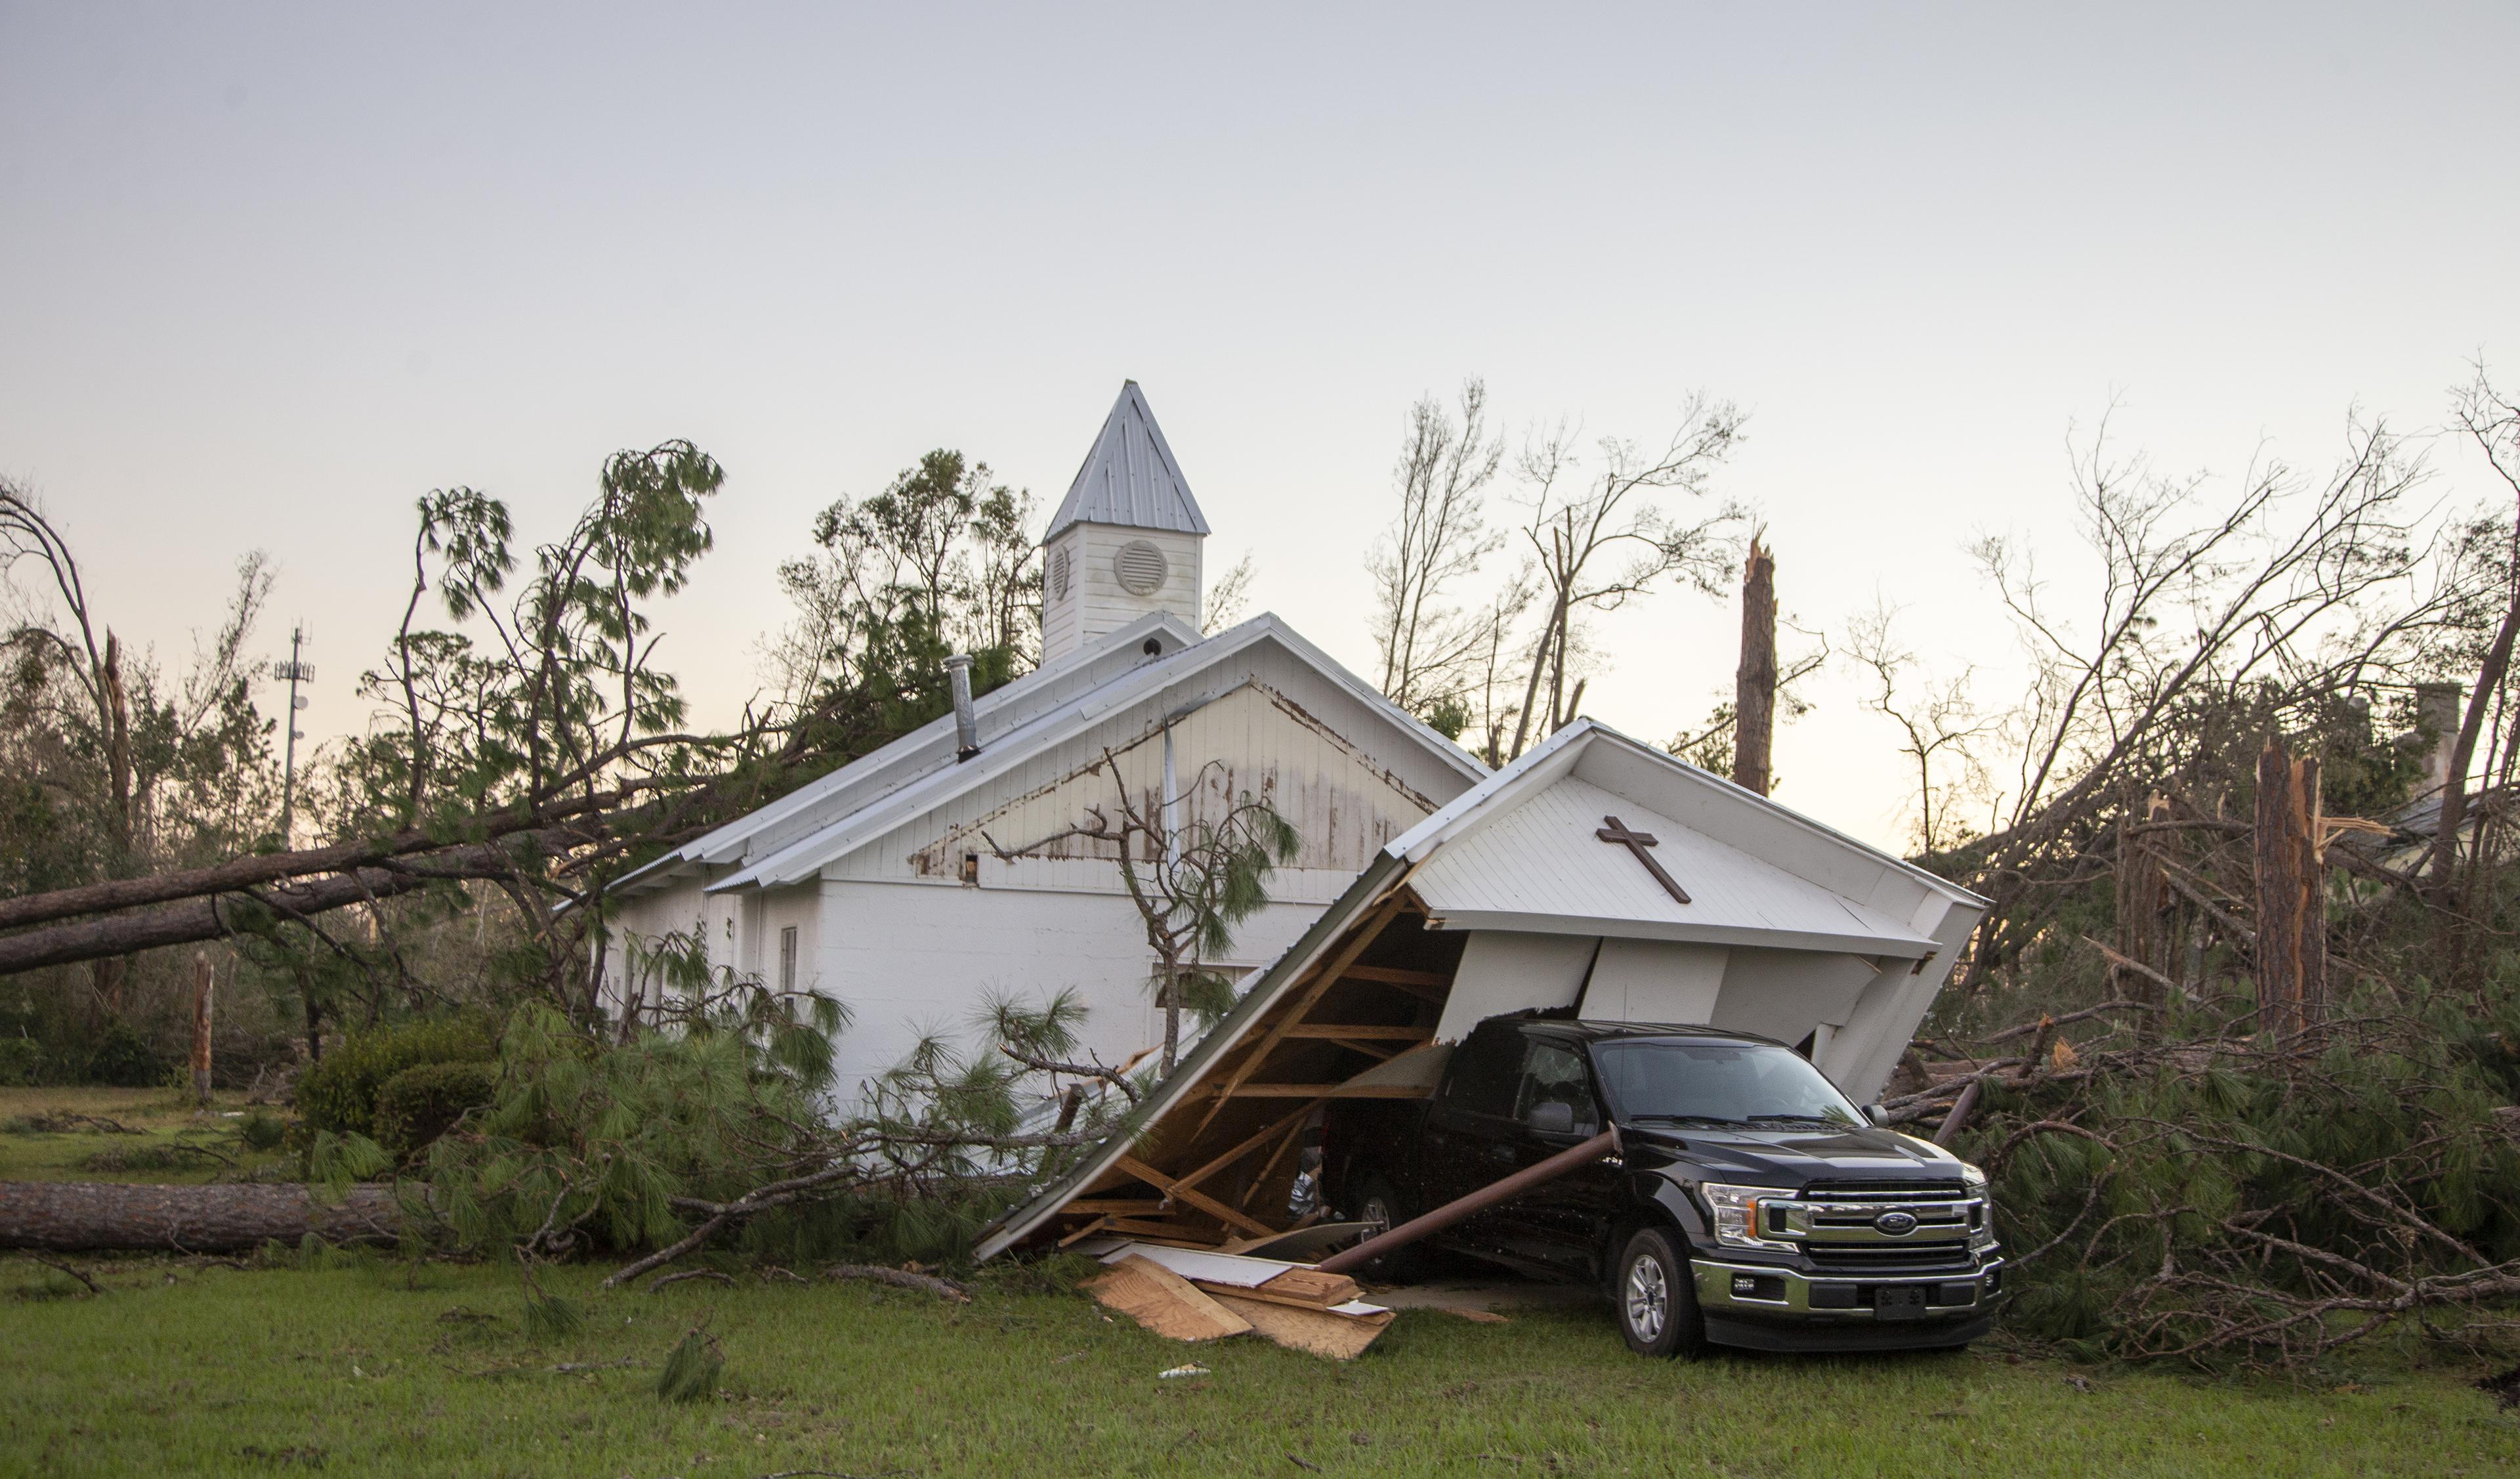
(1785, 1157)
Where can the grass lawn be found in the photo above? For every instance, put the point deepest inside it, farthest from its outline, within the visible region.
(176, 1144)
(371, 1368)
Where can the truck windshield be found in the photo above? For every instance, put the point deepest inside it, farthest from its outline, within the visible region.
(1722, 1083)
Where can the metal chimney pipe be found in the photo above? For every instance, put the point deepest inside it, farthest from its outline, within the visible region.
(966, 722)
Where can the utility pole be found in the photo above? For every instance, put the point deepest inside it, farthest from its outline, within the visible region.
(293, 673)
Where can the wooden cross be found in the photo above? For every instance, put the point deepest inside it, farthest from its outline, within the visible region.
(1617, 832)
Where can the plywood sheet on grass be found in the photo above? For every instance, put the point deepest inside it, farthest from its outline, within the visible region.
(1163, 1301)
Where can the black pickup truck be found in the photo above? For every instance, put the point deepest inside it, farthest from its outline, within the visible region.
(1749, 1203)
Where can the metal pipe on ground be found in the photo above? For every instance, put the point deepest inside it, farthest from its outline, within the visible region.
(1426, 1223)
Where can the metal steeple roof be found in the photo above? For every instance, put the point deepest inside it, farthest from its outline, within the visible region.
(1130, 477)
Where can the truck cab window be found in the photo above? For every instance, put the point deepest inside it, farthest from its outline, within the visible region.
(1484, 1071)
(1554, 1075)
(1732, 1082)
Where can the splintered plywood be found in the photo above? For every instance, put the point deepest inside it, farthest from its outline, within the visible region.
(1163, 1301)
(1272, 1280)
(1308, 1286)
(1334, 1334)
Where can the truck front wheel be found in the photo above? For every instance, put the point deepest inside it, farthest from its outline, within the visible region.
(1657, 1300)
(1380, 1208)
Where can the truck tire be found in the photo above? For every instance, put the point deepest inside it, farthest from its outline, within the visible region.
(1378, 1204)
(1655, 1297)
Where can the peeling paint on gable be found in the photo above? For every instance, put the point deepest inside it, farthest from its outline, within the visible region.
(1342, 803)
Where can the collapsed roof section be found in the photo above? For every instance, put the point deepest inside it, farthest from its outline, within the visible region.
(1596, 874)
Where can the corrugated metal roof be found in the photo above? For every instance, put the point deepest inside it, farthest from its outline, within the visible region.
(845, 831)
(1130, 477)
(923, 752)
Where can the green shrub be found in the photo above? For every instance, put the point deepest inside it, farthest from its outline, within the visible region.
(419, 1105)
(22, 1062)
(124, 1059)
(261, 1129)
(338, 1095)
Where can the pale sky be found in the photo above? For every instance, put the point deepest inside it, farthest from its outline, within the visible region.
(268, 273)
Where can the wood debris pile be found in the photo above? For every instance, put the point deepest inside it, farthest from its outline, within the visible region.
(1189, 1294)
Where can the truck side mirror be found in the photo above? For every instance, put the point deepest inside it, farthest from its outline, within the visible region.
(1552, 1117)
(1874, 1114)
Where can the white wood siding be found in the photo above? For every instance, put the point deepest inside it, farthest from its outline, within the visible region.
(1096, 603)
(912, 959)
(1251, 743)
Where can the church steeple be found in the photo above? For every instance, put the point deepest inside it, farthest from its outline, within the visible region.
(1126, 539)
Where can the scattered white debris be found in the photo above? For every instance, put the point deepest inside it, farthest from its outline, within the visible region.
(1192, 1370)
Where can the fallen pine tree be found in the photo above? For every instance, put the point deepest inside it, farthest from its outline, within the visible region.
(102, 1216)
(2252, 1201)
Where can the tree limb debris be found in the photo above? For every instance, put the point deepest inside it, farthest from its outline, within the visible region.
(58, 1266)
(902, 1278)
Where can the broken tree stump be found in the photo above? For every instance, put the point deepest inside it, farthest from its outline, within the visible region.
(1754, 683)
(2292, 894)
(204, 980)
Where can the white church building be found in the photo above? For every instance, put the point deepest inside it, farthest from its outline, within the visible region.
(892, 882)
(925, 880)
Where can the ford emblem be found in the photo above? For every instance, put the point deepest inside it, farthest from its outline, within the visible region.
(1895, 1223)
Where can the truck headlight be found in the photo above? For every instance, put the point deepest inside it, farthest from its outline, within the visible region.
(1735, 1213)
(1982, 1218)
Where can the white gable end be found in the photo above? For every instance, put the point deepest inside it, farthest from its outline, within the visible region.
(1541, 866)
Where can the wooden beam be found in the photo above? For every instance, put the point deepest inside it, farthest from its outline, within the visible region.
(1249, 1145)
(1391, 975)
(1123, 1206)
(1086, 1231)
(1262, 1178)
(1360, 1033)
(1172, 1233)
(1173, 1188)
(1325, 1091)
(1367, 931)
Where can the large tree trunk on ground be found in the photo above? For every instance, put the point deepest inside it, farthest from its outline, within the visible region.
(1754, 683)
(95, 1216)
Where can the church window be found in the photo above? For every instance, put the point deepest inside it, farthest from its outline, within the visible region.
(1139, 567)
(1059, 572)
(788, 959)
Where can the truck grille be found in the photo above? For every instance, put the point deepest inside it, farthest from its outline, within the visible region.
(1939, 1255)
